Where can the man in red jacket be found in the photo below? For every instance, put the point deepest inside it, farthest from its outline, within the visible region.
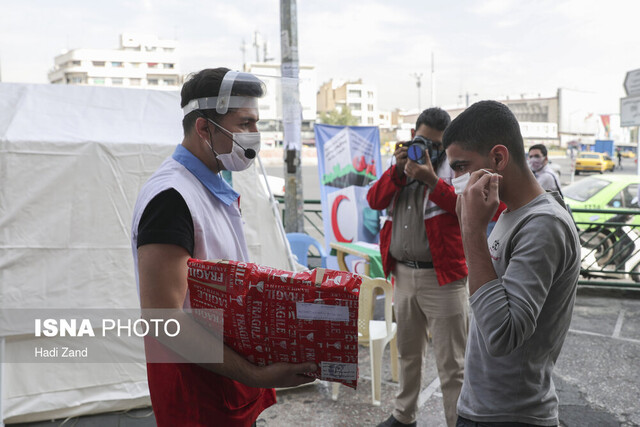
(420, 244)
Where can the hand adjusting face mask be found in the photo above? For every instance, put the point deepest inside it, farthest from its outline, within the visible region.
(460, 183)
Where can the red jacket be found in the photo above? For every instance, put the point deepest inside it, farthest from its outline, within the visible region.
(441, 223)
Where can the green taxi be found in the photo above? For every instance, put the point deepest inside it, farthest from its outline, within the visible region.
(603, 192)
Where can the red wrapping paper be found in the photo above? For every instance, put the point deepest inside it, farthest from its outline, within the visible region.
(273, 315)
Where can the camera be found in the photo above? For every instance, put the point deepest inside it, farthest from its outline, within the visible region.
(419, 148)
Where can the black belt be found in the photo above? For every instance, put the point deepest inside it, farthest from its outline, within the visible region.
(417, 264)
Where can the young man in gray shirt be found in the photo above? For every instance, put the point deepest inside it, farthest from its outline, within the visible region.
(522, 281)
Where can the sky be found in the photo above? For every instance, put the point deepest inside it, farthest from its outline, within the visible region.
(488, 49)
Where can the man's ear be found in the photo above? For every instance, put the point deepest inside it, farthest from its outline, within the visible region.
(202, 128)
(413, 134)
(499, 157)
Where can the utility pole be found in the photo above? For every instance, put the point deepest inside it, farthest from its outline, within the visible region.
(418, 77)
(243, 48)
(466, 96)
(291, 117)
(433, 81)
(257, 43)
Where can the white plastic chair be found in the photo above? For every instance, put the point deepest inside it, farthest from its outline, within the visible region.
(375, 333)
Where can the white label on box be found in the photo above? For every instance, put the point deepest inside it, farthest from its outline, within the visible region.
(332, 313)
(339, 371)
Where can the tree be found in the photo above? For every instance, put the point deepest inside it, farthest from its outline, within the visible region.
(342, 117)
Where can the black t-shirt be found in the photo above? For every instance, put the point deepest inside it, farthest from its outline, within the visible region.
(167, 219)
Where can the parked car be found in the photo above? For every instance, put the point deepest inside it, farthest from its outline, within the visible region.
(594, 162)
(603, 192)
(611, 250)
(628, 154)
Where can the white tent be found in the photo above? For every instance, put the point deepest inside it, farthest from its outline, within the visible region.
(72, 160)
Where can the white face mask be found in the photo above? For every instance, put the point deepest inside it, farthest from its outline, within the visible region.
(535, 164)
(460, 183)
(236, 160)
(244, 144)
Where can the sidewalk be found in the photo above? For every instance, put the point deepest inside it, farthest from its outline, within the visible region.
(597, 378)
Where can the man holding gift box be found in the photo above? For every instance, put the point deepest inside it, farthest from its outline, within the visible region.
(187, 209)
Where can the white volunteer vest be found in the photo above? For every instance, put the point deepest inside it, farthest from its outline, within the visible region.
(218, 232)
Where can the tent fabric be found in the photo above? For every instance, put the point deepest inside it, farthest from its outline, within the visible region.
(72, 161)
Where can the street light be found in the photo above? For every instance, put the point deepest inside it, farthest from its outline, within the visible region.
(418, 77)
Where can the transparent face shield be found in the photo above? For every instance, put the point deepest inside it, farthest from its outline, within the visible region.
(237, 90)
(279, 108)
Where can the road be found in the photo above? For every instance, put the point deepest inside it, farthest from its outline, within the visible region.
(311, 186)
(628, 168)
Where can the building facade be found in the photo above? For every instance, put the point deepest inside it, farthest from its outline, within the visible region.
(140, 61)
(360, 98)
(271, 108)
(538, 119)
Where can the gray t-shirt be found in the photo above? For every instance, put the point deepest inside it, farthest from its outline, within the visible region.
(521, 319)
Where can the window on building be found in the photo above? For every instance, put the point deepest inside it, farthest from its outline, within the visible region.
(170, 82)
(168, 49)
(168, 65)
(370, 107)
(355, 93)
(370, 94)
(116, 64)
(76, 63)
(135, 64)
(75, 79)
(152, 64)
(370, 120)
(135, 82)
(116, 80)
(98, 63)
(153, 82)
(355, 107)
(98, 80)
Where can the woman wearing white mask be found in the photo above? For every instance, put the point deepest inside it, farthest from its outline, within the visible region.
(187, 209)
(539, 165)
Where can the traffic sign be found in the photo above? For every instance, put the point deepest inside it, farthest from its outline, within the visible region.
(630, 111)
(632, 82)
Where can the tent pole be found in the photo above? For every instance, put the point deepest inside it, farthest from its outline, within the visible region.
(276, 213)
(1, 379)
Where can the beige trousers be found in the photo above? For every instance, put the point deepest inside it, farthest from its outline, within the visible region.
(421, 304)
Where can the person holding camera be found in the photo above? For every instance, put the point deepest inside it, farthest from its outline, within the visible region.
(420, 244)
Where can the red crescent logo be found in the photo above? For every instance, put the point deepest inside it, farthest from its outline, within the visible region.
(334, 219)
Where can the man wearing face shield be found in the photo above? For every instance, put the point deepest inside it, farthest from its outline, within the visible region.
(187, 209)
(539, 164)
(522, 281)
(420, 244)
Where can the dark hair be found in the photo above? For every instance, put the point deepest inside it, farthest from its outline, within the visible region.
(206, 83)
(484, 125)
(436, 118)
(540, 147)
